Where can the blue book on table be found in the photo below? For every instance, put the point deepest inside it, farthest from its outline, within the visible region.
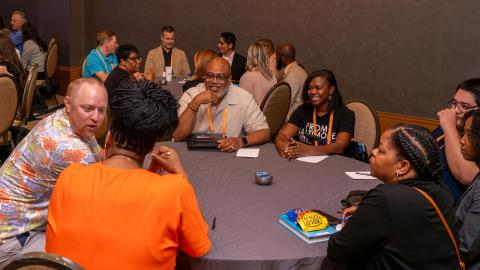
(309, 237)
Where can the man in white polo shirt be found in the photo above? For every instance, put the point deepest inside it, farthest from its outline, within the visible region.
(233, 111)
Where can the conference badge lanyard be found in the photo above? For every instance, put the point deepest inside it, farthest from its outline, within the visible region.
(103, 61)
(210, 122)
(330, 123)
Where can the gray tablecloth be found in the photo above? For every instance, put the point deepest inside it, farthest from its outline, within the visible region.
(247, 233)
(175, 86)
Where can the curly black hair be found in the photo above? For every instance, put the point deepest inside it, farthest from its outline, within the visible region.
(141, 114)
(416, 144)
(474, 132)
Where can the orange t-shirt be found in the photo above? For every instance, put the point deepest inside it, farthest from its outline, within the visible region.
(106, 218)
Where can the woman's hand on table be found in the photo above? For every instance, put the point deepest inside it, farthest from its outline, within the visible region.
(296, 149)
(166, 158)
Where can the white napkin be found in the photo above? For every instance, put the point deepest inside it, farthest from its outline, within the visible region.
(248, 152)
(364, 175)
(312, 159)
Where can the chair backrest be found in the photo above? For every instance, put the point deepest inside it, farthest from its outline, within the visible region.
(82, 65)
(275, 106)
(8, 102)
(367, 126)
(51, 42)
(51, 60)
(42, 260)
(30, 86)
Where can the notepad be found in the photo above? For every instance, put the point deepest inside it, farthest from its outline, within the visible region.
(248, 152)
(363, 175)
(312, 159)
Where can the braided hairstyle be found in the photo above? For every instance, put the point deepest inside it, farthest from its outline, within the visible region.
(141, 114)
(416, 144)
(474, 132)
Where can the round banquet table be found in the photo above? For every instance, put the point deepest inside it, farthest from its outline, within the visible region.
(247, 234)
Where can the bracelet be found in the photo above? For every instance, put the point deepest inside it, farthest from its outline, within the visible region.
(191, 108)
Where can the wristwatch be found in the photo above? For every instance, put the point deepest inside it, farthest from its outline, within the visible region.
(244, 141)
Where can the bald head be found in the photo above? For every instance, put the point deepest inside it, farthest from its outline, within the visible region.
(79, 85)
(217, 76)
(86, 105)
(285, 54)
(219, 63)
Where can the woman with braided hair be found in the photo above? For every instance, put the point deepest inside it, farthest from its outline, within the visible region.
(116, 215)
(395, 226)
(467, 216)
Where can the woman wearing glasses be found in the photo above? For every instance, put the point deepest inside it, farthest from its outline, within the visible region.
(128, 69)
(458, 172)
(467, 215)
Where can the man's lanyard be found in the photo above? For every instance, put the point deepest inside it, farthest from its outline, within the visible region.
(103, 60)
(210, 122)
(439, 138)
(330, 123)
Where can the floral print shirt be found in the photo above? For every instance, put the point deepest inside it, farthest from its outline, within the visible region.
(29, 174)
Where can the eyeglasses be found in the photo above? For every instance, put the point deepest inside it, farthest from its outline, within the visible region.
(460, 105)
(219, 77)
(136, 58)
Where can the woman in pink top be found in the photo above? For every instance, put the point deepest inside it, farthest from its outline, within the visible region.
(259, 78)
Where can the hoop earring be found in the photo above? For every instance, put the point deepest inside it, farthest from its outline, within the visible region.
(330, 98)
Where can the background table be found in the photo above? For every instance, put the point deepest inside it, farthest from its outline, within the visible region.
(247, 233)
(175, 86)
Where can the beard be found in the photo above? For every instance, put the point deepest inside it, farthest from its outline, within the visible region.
(222, 93)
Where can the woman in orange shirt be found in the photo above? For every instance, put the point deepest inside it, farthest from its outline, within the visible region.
(116, 215)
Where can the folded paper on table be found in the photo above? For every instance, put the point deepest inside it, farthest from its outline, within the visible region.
(248, 152)
(312, 159)
(364, 175)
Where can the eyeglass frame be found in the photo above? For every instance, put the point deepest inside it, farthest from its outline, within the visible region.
(461, 106)
(135, 58)
(219, 77)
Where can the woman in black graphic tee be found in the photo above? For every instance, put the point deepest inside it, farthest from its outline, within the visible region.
(322, 125)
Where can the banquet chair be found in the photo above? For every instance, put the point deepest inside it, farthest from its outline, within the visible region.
(8, 107)
(28, 93)
(52, 41)
(50, 66)
(43, 261)
(367, 126)
(275, 106)
(82, 65)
